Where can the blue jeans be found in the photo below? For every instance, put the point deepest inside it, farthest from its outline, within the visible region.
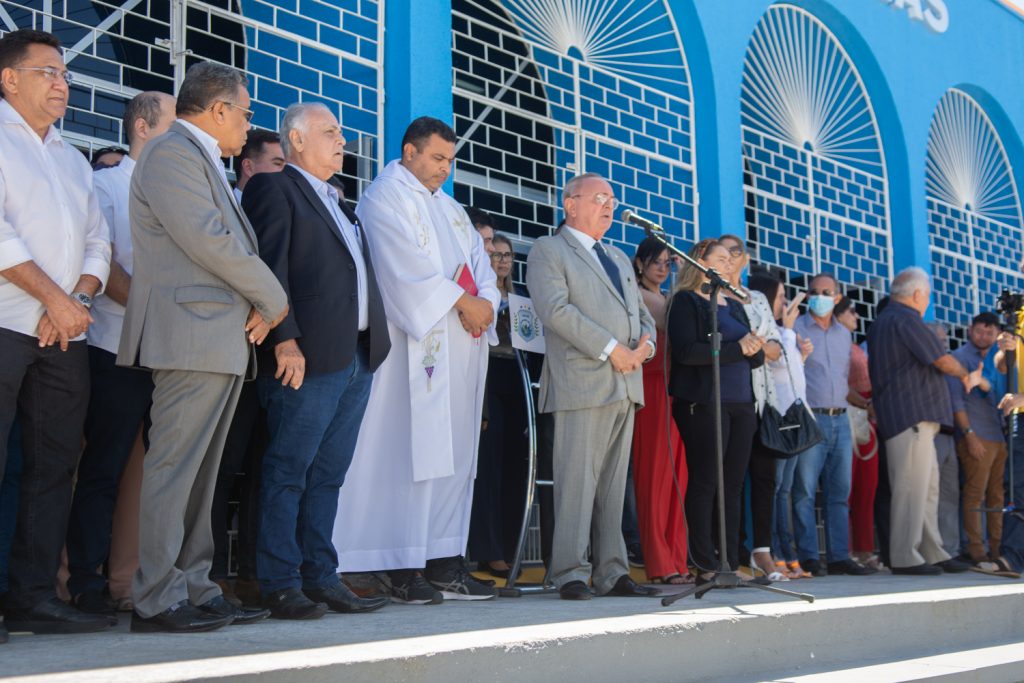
(313, 434)
(782, 535)
(832, 462)
(1012, 544)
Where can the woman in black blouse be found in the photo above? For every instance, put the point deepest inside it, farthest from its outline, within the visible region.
(689, 328)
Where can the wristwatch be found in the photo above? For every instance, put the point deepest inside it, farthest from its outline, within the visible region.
(82, 298)
(967, 430)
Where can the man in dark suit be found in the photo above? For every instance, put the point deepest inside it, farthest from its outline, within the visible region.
(317, 370)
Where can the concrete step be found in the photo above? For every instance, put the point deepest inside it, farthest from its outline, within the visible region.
(995, 664)
(734, 635)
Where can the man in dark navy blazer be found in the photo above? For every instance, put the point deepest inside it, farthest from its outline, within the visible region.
(317, 367)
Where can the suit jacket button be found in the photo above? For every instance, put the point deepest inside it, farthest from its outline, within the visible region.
(352, 296)
(351, 266)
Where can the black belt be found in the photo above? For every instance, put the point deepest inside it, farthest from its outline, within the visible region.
(829, 411)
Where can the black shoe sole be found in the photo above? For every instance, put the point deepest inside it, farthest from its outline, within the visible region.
(251, 618)
(315, 612)
(347, 609)
(56, 627)
(152, 627)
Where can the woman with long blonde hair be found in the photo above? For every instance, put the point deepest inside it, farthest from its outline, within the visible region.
(689, 330)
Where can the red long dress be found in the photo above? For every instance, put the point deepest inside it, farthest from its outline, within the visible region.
(865, 466)
(658, 505)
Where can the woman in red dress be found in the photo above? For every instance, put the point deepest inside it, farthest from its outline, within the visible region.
(657, 447)
(865, 447)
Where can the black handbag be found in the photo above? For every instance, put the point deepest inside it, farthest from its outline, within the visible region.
(790, 434)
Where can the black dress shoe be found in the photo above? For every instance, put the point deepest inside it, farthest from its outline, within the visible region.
(240, 616)
(575, 590)
(918, 570)
(628, 588)
(54, 616)
(341, 599)
(953, 566)
(181, 617)
(814, 567)
(850, 567)
(291, 603)
(97, 602)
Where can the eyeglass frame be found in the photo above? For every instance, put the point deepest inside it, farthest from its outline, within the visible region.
(247, 113)
(50, 72)
(599, 202)
(501, 256)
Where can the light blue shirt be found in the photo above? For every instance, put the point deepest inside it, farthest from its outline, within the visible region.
(349, 232)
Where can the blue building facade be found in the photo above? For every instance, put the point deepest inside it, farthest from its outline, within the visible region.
(852, 136)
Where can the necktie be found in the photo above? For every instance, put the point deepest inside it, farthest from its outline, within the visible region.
(609, 267)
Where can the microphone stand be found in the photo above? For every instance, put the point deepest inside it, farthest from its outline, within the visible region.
(726, 576)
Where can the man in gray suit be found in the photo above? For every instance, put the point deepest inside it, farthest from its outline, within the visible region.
(598, 333)
(200, 296)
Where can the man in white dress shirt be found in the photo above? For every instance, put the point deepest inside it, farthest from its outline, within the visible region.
(54, 257)
(119, 397)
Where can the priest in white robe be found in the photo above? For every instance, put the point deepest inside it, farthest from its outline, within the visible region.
(405, 504)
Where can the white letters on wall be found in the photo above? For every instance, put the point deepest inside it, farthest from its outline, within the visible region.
(932, 13)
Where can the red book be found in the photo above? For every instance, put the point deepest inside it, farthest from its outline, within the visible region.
(464, 278)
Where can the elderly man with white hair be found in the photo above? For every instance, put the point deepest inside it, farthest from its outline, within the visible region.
(907, 363)
(316, 370)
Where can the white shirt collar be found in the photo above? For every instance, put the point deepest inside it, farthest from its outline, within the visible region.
(398, 169)
(583, 238)
(10, 115)
(208, 142)
(320, 186)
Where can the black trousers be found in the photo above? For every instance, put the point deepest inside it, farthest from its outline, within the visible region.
(49, 390)
(243, 455)
(500, 488)
(696, 423)
(883, 502)
(119, 400)
(762, 498)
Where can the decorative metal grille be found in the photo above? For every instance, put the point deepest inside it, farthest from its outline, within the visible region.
(974, 213)
(815, 180)
(547, 89)
(293, 50)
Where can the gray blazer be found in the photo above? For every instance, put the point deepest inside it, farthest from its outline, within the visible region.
(196, 269)
(581, 311)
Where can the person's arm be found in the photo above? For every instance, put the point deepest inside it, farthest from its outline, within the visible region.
(684, 327)
(657, 305)
(118, 283)
(176, 188)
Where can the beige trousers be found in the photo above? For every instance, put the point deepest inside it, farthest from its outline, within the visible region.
(914, 477)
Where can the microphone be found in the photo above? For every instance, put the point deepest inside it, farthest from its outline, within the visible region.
(629, 217)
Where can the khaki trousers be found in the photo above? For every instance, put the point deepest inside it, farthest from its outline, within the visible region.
(914, 477)
(983, 482)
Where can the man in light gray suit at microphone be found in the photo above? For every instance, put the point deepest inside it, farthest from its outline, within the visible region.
(199, 298)
(598, 333)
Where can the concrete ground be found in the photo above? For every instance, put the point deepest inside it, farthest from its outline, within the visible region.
(411, 632)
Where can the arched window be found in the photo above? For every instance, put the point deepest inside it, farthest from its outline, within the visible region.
(974, 213)
(546, 89)
(814, 173)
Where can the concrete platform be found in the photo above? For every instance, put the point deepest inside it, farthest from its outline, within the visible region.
(856, 623)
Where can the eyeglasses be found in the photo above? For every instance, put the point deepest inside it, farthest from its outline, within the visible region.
(821, 292)
(500, 256)
(600, 198)
(247, 113)
(736, 251)
(51, 73)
